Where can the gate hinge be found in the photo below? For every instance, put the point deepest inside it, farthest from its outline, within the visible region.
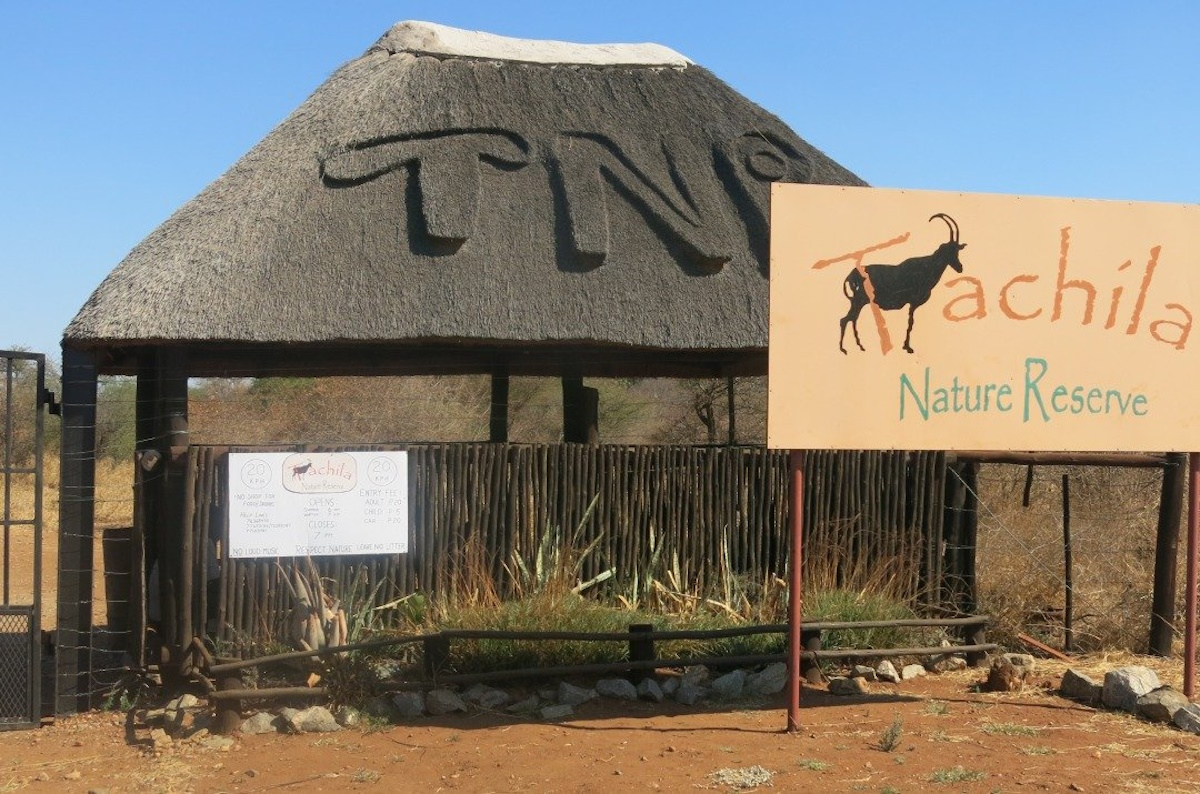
(51, 402)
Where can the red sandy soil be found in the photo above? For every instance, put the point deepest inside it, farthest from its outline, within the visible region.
(951, 739)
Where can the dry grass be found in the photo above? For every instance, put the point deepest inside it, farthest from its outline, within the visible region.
(1114, 514)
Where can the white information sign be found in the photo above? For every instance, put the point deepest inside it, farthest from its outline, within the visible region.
(317, 503)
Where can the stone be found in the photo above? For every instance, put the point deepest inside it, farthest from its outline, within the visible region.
(696, 674)
(348, 716)
(1022, 661)
(617, 688)
(262, 722)
(217, 743)
(670, 686)
(1004, 676)
(314, 719)
(571, 695)
(1188, 718)
(949, 664)
(74, 774)
(443, 701)
(556, 711)
(864, 672)
(526, 706)
(648, 689)
(846, 687)
(1123, 687)
(487, 697)
(409, 704)
(1080, 687)
(886, 671)
(911, 671)
(729, 686)
(548, 693)
(689, 694)
(1161, 704)
(380, 708)
(767, 681)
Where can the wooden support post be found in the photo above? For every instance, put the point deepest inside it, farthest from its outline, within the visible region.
(498, 424)
(975, 636)
(76, 513)
(1166, 554)
(174, 521)
(796, 589)
(641, 649)
(581, 412)
(229, 710)
(731, 410)
(147, 469)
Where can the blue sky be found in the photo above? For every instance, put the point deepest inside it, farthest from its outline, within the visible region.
(114, 114)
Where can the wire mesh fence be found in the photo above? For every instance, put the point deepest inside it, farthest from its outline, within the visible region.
(1022, 553)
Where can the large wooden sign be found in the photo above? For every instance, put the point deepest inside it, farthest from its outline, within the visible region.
(929, 320)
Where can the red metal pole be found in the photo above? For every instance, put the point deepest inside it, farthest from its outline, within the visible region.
(795, 601)
(1193, 540)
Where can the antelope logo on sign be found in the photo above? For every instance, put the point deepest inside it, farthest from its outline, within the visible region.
(889, 287)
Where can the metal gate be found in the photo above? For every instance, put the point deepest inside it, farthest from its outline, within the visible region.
(23, 395)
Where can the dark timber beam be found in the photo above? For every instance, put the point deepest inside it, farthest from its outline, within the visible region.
(170, 422)
(581, 410)
(498, 424)
(1166, 555)
(76, 513)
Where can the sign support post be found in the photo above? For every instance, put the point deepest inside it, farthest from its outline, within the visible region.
(795, 589)
(1193, 537)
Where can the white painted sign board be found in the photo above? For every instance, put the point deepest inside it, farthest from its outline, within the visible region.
(285, 504)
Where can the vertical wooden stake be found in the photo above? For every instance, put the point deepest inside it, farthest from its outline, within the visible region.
(795, 599)
(1189, 634)
(640, 649)
(1068, 578)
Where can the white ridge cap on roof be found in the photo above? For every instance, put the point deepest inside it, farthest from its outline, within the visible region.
(433, 39)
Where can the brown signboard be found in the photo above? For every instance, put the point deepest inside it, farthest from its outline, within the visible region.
(930, 320)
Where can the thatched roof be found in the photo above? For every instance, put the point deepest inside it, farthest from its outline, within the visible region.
(468, 188)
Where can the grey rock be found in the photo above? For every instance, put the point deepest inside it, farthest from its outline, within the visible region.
(556, 711)
(160, 739)
(1188, 718)
(730, 685)
(1080, 687)
(262, 722)
(1124, 686)
(949, 664)
(571, 695)
(409, 704)
(864, 672)
(649, 689)
(287, 720)
(847, 686)
(911, 671)
(380, 708)
(443, 701)
(487, 697)
(183, 702)
(548, 693)
(153, 717)
(617, 688)
(348, 716)
(886, 671)
(526, 706)
(689, 694)
(1022, 661)
(767, 681)
(315, 719)
(1161, 704)
(670, 686)
(696, 674)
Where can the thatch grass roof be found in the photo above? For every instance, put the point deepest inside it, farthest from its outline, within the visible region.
(456, 187)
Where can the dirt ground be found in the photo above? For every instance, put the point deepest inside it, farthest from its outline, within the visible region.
(951, 738)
